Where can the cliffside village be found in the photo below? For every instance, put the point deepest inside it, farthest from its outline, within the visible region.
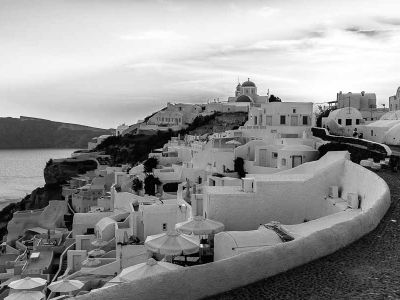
(218, 197)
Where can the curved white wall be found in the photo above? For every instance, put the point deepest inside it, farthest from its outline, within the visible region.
(335, 232)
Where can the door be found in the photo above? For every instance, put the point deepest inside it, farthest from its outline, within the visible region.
(294, 121)
(268, 120)
(85, 244)
(296, 160)
(263, 158)
(76, 262)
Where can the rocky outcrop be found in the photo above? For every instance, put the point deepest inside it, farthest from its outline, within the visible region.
(59, 172)
(55, 174)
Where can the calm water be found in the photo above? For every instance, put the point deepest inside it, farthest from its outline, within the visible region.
(21, 171)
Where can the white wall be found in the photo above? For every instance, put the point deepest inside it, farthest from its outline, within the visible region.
(154, 216)
(289, 199)
(209, 279)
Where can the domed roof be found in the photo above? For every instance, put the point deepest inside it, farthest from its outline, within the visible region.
(238, 87)
(243, 98)
(248, 83)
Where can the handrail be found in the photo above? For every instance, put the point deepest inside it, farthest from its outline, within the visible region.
(21, 255)
(61, 261)
(70, 208)
(370, 145)
(60, 266)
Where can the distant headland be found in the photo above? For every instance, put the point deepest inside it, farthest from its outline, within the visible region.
(28, 133)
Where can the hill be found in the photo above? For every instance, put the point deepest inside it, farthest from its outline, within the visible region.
(134, 148)
(27, 132)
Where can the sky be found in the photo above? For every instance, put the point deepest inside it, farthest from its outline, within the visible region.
(107, 62)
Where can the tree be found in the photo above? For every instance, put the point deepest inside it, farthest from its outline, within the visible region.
(239, 167)
(150, 164)
(137, 184)
(322, 113)
(150, 183)
(273, 98)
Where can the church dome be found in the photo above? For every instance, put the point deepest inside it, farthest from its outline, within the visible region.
(238, 87)
(243, 98)
(248, 83)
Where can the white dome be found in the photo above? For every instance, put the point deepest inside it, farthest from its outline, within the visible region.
(392, 136)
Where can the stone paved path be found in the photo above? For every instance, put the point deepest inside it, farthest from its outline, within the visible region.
(367, 269)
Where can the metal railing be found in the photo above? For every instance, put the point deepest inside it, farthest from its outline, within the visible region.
(369, 145)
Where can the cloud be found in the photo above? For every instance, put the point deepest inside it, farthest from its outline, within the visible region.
(266, 11)
(154, 35)
(372, 33)
(389, 21)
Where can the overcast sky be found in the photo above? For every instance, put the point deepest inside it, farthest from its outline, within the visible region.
(102, 63)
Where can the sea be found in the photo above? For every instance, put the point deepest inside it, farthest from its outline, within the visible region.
(21, 171)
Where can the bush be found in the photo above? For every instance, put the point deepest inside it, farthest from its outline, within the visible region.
(150, 183)
(150, 164)
(137, 184)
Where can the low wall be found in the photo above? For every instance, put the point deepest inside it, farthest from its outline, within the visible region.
(217, 277)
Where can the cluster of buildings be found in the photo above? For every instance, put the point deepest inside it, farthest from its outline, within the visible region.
(105, 222)
(357, 115)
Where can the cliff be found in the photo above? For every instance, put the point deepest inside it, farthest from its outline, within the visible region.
(55, 174)
(26, 132)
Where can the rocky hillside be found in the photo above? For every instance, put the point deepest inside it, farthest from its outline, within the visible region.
(220, 123)
(26, 132)
(135, 148)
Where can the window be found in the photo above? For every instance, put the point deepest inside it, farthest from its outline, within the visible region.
(348, 122)
(274, 155)
(283, 120)
(164, 227)
(372, 133)
(90, 231)
(305, 120)
(294, 110)
(357, 121)
(339, 121)
(283, 161)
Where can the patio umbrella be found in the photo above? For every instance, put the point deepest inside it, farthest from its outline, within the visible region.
(27, 283)
(99, 243)
(147, 269)
(25, 295)
(91, 262)
(172, 243)
(199, 225)
(233, 142)
(65, 286)
(97, 252)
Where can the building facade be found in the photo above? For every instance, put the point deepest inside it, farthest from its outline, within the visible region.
(394, 101)
(364, 102)
(247, 92)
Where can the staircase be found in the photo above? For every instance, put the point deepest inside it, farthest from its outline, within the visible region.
(69, 218)
(64, 265)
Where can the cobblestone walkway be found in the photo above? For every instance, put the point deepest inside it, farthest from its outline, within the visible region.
(367, 269)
